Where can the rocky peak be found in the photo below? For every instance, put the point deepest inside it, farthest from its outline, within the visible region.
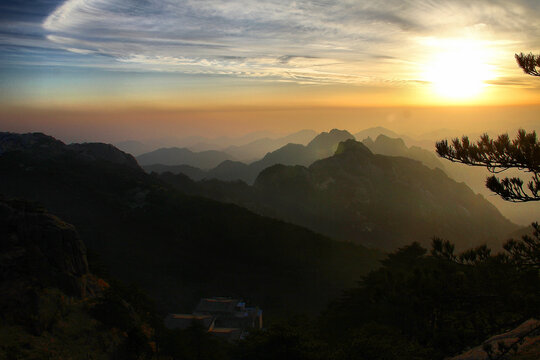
(351, 146)
(38, 249)
(386, 145)
(395, 144)
(293, 178)
(329, 140)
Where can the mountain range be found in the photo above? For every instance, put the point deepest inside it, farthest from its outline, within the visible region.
(385, 145)
(360, 197)
(322, 145)
(257, 149)
(474, 177)
(381, 141)
(177, 247)
(183, 156)
(246, 148)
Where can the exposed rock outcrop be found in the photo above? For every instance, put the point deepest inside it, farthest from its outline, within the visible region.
(525, 338)
(37, 250)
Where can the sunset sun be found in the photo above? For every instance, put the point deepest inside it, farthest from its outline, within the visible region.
(459, 73)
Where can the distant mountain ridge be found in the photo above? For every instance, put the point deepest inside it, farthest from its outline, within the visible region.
(321, 146)
(44, 146)
(257, 149)
(358, 196)
(193, 172)
(246, 148)
(182, 156)
(374, 132)
(418, 147)
(385, 145)
(475, 177)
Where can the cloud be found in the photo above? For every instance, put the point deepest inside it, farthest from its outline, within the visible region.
(80, 51)
(305, 41)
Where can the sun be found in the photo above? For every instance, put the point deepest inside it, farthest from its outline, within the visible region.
(460, 72)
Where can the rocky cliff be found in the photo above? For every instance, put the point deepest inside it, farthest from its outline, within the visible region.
(38, 250)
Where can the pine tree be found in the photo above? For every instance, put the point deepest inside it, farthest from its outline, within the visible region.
(497, 156)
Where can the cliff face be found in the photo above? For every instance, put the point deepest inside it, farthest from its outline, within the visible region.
(51, 306)
(38, 250)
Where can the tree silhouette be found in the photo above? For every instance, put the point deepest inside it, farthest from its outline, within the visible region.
(525, 253)
(529, 63)
(499, 155)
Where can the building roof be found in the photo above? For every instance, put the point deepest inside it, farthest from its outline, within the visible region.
(230, 334)
(219, 305)
(190, 316)
(224, 330)
(183, 321)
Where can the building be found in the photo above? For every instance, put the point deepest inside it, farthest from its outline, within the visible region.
(221, 316)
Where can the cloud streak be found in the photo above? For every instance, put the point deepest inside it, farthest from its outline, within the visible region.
(302, 41)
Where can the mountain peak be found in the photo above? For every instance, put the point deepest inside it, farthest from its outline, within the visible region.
(352, 146)
(374, 132)
(396, 143)
(183, 156)
(327, 141)
(33, 142)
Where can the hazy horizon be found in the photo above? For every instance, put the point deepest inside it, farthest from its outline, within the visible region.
(142, 124)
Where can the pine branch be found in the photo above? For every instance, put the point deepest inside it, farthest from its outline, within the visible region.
(497, 156)
(529, 63)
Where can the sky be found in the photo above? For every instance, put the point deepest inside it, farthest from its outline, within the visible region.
(117, 69)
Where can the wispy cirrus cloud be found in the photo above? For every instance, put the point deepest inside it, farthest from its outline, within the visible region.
(343, 41)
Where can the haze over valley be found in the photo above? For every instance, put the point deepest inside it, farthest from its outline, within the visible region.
(218, 162)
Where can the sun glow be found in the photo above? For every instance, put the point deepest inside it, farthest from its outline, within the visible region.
(459, 70)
